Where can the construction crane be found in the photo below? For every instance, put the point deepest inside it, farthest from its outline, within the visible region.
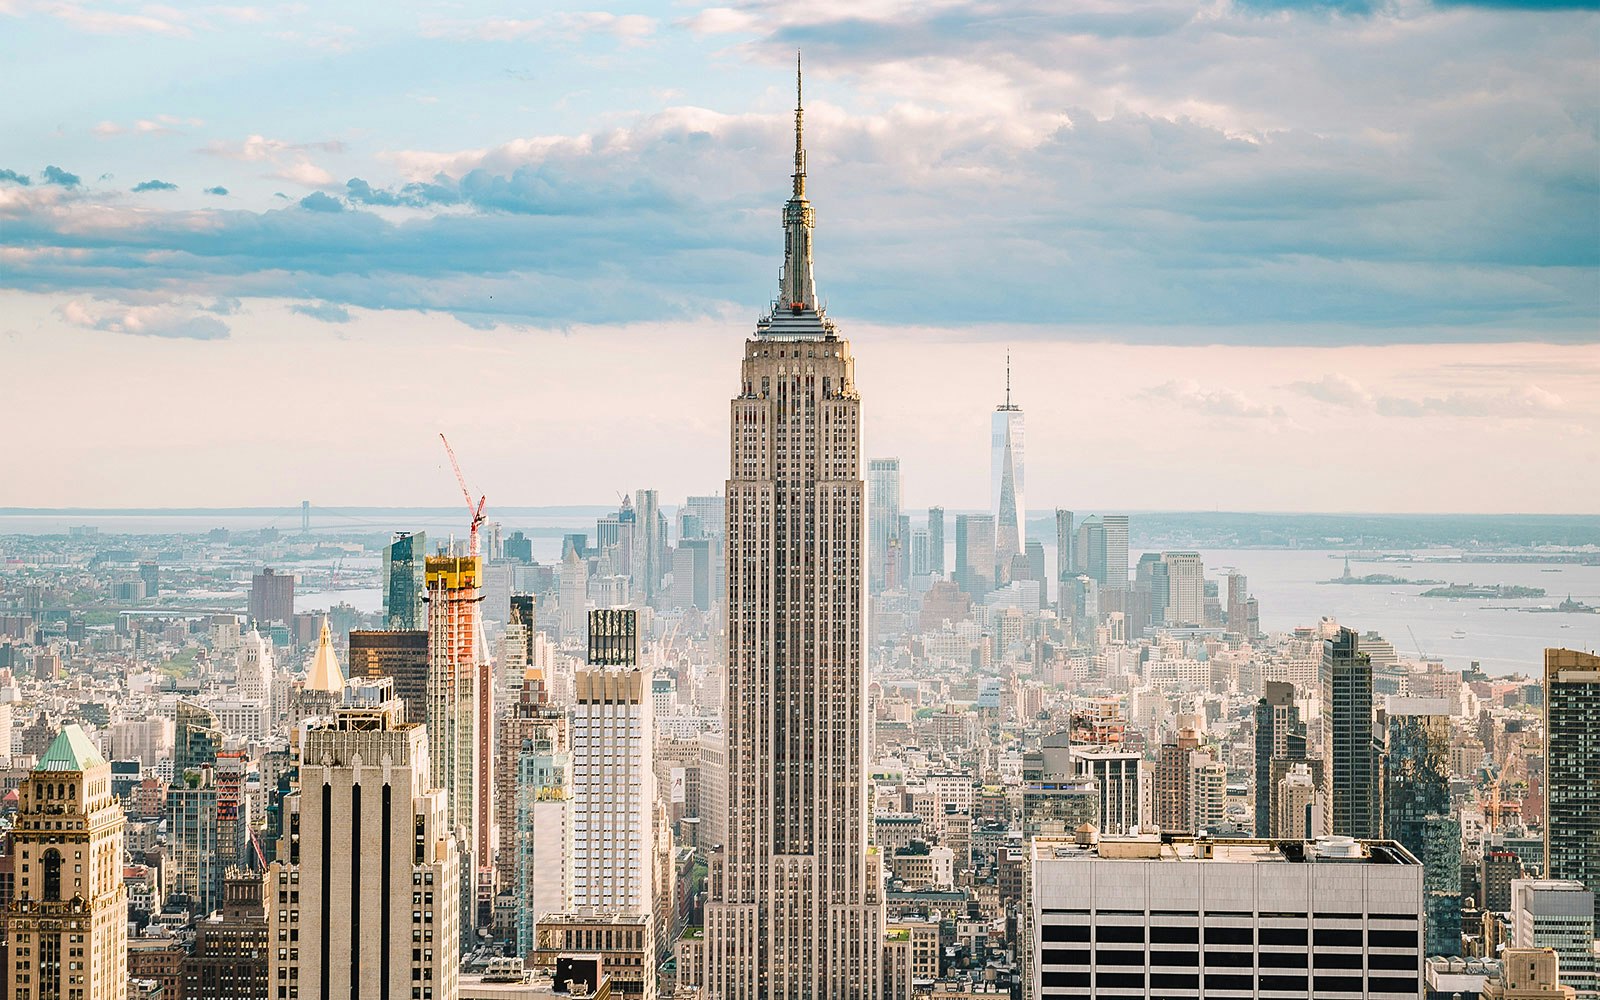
(1420, 651)
(476, 513)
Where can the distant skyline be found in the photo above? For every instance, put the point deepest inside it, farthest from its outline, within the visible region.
(1247, 255)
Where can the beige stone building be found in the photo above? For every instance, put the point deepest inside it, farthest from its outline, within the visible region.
(67, 921)
(366, 900)
(1528, 974)
(795, 907)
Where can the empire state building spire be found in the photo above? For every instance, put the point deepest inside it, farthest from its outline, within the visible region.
(798, 290)
(795, 907)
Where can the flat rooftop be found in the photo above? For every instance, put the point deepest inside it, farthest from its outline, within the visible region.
(1155, 847)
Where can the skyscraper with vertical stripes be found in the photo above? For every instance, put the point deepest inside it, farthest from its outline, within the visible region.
(367, 884)
(796, 909)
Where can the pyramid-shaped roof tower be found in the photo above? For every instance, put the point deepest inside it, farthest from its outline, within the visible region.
(71, 751)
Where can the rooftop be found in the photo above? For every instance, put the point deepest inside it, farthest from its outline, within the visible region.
(71, 751)
(1155, 847)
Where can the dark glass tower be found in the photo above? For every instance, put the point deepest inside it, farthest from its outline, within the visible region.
(1347, 735)
(1572, 755)
(404, 584)
(1416, 810)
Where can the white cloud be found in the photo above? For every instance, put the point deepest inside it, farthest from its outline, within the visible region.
(172, 320)
(1340, 390)
(306, 173)
(1528, 401)
(1222, 402)
(159, 125)
(628, 28)
(155, 20)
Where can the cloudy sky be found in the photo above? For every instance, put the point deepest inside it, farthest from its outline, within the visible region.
(1247, 255)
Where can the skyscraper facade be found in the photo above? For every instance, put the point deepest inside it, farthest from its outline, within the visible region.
(1348, 748)
(1572, 755)
(405, 581)
(460, 702)
(1116, 530)
(795, 907)
(649, 545)
(1006, 494)
(399, 655)
(67, 911)
(609, 818)
(975, 561)
(1065, 568)
(1559, 914)
(1186, 588)
(1279, 736)
(936, 541)
(372, 870)
(1238, 610)
(271, 597)
(1416, 809)
(1151, 577)
(883, 517)
(1090, 550)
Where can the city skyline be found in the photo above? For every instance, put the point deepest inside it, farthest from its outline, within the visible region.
(1255, 270)
(1177, 308)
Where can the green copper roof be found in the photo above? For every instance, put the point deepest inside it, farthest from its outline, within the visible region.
(71, 751)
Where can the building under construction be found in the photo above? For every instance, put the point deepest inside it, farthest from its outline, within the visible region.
(461, 707)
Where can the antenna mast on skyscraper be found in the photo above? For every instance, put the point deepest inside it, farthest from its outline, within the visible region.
(476, 514)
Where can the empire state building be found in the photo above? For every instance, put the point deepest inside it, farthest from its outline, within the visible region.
(796, 909)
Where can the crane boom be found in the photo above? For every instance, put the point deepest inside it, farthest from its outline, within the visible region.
(1422, 652)
(475, 513)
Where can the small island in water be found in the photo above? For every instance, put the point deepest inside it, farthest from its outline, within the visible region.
(1378, 580)
(1473, 590)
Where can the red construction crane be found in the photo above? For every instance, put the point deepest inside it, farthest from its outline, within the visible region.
(475, 513)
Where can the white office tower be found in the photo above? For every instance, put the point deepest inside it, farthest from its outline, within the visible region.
(611, 833)
(610, 816)
(366, 889)
(1122, 917)
(1559, 914)
(1006, 501)
(1116, 529)
(795, 910)
(1186, 588)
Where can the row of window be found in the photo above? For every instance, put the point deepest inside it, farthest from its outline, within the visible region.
(1319, 986)
(1321, 937)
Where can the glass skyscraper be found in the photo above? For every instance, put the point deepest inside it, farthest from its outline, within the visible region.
(403, 581)
(1416, 809)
